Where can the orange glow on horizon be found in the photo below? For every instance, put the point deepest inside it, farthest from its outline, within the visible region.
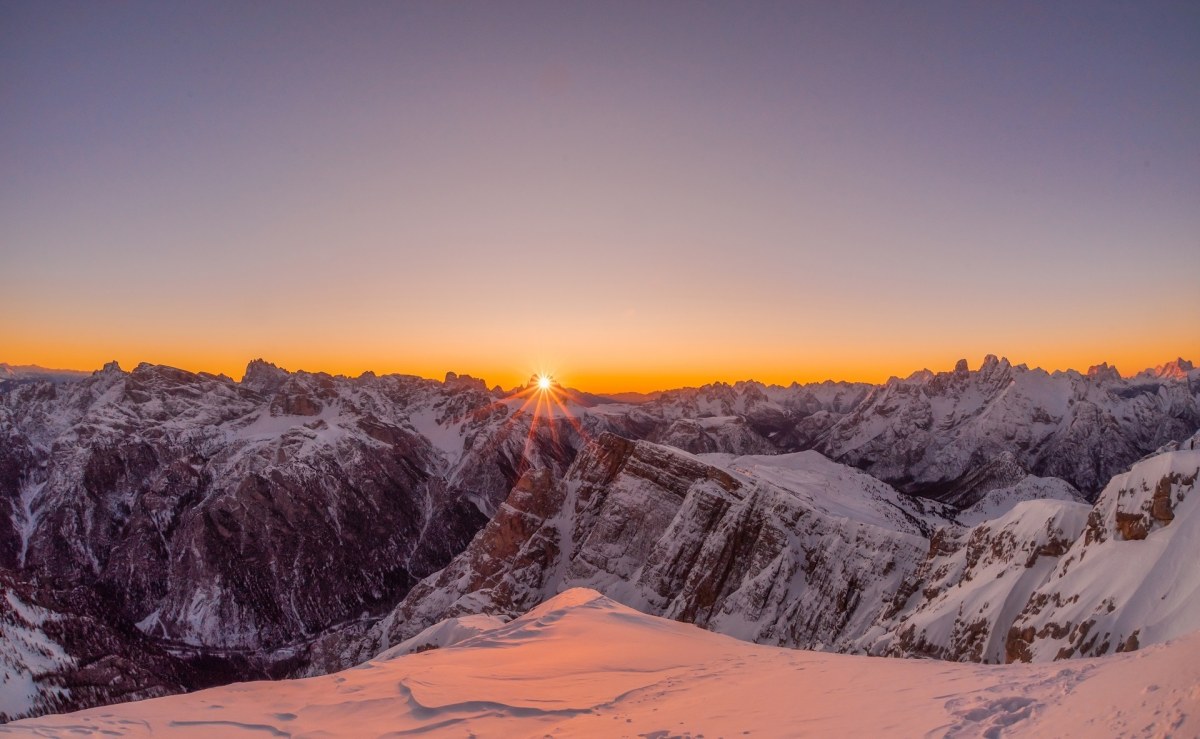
(602, 374)
(826, 208)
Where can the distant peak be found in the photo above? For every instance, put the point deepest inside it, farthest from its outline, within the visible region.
(921, 375)
(961, 368)
(993, 365)
(457, 380)
(256, 365)
(263, 376)
(1175, 370)
(112, 368)
(1103, 371)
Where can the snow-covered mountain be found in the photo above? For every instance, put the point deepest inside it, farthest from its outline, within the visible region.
(937, 434)
(583, 665)
(59, 650)
(1052, 579)
(951, 436)
(230, 521)
(225, 530)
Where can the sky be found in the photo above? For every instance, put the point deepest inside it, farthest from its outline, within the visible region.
(631, 196)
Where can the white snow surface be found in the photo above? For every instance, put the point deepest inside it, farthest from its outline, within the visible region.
(999, 502)
(835, 490)
(583, 665)
(445, 634)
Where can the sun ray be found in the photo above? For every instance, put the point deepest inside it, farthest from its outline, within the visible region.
(544, 406)
(570, 417)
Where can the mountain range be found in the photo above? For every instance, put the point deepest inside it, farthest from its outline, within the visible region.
(162, 530)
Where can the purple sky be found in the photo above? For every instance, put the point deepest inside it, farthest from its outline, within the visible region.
(632, 195)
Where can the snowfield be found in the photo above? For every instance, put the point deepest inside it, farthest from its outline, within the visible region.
(582, 665)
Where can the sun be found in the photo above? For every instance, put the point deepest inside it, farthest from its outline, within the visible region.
(543, 382)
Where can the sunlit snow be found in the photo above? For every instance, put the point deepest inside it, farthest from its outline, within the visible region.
(582, 665)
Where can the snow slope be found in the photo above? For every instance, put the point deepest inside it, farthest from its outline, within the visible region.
(1131, 578)
(583, 665)
(974, 583)
(999, 501)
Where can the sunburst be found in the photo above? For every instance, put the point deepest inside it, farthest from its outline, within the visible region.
(543, 401)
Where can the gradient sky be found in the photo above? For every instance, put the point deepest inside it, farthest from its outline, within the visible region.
(633, 196)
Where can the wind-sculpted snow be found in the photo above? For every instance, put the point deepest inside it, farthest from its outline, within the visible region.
(583, 665)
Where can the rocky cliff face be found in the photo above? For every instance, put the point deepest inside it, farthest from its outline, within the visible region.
(790, 549)
(960, 603)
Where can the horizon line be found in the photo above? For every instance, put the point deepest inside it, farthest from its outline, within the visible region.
(458, 375)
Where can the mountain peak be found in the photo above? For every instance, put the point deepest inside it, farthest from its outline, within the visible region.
(1177, 369)
(263, 376)
(465, 381)
(1103, 371)
(993, 365)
